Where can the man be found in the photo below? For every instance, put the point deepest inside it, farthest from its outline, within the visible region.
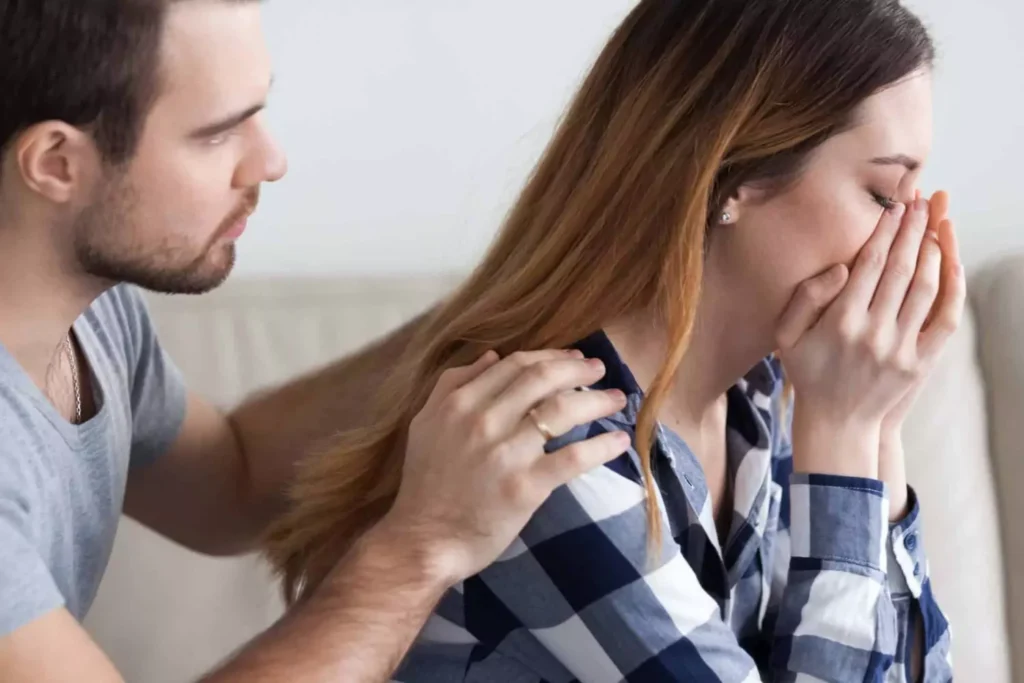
(132, 149)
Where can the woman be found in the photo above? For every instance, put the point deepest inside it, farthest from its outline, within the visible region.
(733, 190)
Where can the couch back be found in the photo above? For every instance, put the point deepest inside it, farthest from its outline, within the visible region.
(165, 615)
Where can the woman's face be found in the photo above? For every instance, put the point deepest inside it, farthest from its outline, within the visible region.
(826, 216)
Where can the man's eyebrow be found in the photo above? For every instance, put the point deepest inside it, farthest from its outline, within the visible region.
(230, 122)
(910, 163)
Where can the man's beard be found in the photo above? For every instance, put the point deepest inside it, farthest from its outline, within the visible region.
(108, 246)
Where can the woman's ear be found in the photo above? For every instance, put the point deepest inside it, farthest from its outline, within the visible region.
(733, 208)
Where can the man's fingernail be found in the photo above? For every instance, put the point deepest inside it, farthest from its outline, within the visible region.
(617, 395)
(575, 353)
(595, 364)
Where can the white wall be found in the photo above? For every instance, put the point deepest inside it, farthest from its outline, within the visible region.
(411, 125)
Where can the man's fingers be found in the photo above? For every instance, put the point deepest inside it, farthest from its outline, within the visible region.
(871, 262)
(457, 377)
(810, 299)
(559, 468)
(923, 291)
(545, 381)
(496, 378)
(560, 413)
(902, 264)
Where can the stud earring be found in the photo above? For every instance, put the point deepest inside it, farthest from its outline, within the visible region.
(726, 217)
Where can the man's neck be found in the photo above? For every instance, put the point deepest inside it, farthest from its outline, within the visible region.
(41, 295)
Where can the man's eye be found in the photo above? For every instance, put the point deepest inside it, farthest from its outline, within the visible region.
(219, 138)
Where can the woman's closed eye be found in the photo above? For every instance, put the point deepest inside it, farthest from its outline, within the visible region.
(886, 203)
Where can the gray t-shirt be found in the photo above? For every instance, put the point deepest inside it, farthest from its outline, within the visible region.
(62, 486)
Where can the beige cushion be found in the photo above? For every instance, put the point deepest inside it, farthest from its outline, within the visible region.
(999, 301)
(946, 442)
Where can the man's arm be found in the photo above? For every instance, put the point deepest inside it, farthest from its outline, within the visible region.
(358, 625)
(476, 470)
(234, 469)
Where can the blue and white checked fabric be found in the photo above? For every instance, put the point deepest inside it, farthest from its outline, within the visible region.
(812, 584)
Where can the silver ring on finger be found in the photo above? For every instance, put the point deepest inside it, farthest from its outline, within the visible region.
(544, 430)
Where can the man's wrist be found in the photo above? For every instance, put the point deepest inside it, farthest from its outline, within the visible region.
(394, 540)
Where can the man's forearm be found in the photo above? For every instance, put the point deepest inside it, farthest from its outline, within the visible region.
(359, 623)
(277, 428)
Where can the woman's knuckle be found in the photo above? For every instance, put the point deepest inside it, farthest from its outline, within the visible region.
(874, 257)
(520, 359)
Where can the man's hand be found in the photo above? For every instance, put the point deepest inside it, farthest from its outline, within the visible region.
(476, 469)
(475, 472)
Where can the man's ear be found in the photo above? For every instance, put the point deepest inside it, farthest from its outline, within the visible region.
(57, 161)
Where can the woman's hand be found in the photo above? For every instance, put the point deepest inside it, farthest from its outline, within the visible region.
(951, 265)
(854, 346)
(891, 463)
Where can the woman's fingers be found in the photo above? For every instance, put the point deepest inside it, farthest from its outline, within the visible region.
(871, 262)
(923, 290)
(953, 295)
(902, 264)
(938, 209)
(812, 297)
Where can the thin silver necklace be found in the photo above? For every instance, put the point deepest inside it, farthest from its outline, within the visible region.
(70, 350)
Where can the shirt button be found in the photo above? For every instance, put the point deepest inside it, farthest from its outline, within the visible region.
(910, 542)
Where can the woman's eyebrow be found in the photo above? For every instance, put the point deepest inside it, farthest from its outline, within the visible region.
(910, 163)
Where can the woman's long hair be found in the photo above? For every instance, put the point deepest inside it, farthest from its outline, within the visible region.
(689, 100)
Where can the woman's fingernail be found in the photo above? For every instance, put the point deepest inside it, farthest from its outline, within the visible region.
(921, 205)
(899, 209)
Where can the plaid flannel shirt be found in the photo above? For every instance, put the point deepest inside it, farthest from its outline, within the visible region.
(812, 584)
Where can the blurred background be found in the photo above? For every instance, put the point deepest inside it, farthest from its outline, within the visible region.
(411, 126)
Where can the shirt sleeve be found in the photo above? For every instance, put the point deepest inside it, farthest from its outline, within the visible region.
(158, 392)
(27, 589)
(857, 586)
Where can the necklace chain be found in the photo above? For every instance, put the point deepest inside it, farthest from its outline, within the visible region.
(70, 350)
